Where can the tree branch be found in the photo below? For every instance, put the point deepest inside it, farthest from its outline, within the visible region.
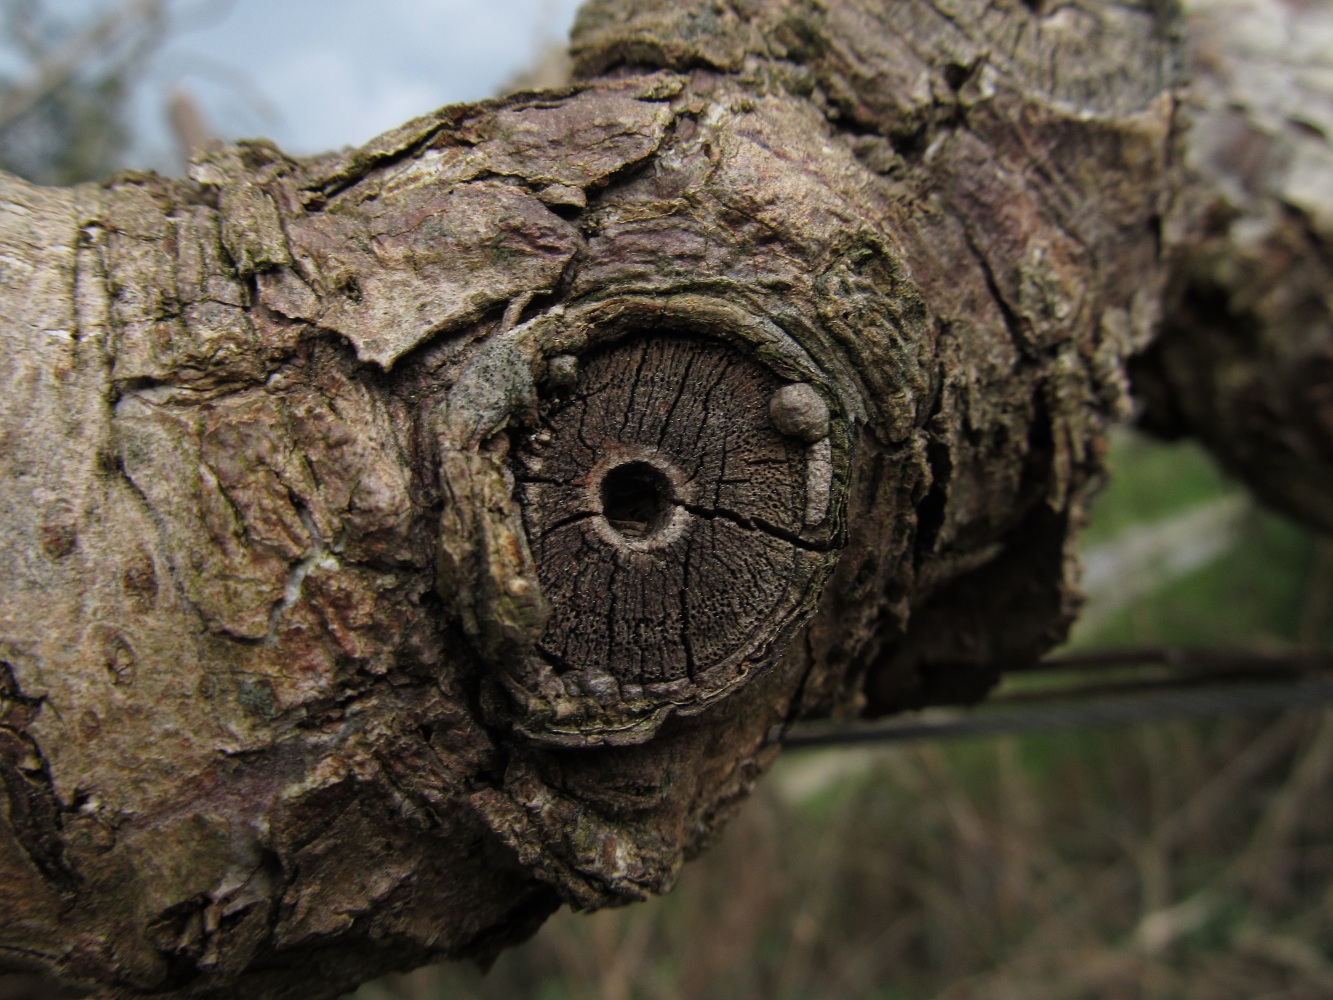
(404, 541)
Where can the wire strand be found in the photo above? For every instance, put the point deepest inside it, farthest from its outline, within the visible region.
(1246, 699)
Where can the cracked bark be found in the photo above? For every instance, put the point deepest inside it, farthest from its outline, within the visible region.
(402, 542)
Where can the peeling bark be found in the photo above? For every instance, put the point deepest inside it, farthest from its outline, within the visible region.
(402, 542)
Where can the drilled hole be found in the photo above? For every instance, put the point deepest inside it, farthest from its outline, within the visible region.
(637, 499)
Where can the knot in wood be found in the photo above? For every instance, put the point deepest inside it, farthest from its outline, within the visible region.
(670, 523)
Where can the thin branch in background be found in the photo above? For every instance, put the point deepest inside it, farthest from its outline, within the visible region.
(64, 99)
(1318, 603)
(21, 19)
(1210, 661)
(1266, 861)
(189, 126)
(183, 63)
(140, 21)
(206, 14)
(1189, 683)
(1060, 716)
(1205, 806)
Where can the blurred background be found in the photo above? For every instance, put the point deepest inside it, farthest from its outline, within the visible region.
(1182, 859)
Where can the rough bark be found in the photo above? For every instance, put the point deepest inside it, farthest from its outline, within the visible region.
(404, 541)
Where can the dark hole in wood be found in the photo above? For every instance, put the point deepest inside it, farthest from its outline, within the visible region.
(637, 499)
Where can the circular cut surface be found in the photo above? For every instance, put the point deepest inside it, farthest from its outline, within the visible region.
(664, 512)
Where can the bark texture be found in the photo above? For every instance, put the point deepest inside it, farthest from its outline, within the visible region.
(404, 541)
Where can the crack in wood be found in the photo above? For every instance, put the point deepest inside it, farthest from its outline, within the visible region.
(666, 513)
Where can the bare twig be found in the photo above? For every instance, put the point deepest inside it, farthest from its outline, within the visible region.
(189, 125)
(1214, 662)
(58, 67)
(20, 23)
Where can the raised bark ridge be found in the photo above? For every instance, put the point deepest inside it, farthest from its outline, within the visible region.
(320, 477)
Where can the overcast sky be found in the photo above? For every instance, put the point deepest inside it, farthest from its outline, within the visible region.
(317, 75)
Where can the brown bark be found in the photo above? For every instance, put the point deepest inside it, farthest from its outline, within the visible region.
(404, 541)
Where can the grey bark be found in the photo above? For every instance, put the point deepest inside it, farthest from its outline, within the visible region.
(402, 542)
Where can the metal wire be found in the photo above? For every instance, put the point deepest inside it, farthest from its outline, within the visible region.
(1234, 699)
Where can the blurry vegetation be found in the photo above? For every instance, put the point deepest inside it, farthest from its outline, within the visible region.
(66, 70)
(1216, 571)
(1176, 861)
